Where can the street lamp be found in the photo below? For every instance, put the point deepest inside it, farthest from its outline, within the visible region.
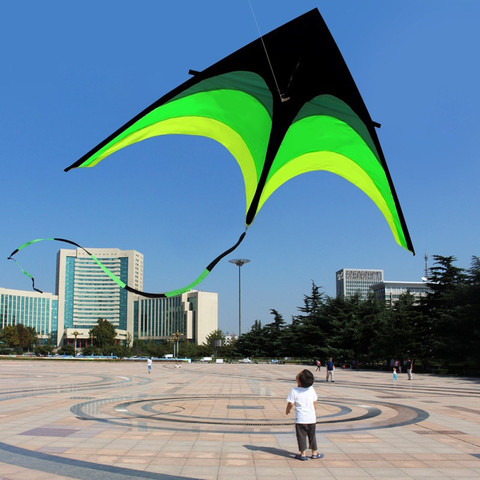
(239, 262)
(75, 333)
(176, 337)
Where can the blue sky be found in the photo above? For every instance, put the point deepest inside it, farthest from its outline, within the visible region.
(74, 72)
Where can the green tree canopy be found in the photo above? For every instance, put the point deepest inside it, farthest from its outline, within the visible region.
(103, 333)
(441, 330)
(18, 336)
(9, 336)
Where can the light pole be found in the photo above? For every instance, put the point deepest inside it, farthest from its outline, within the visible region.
(75, 333)
(176, 337)
(239, 262)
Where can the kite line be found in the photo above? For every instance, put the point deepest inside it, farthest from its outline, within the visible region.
(117, 280)
(266, 53)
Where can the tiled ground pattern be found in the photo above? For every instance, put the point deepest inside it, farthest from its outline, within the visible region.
(112, 420)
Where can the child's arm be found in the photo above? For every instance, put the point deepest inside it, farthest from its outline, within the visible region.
(289, 408)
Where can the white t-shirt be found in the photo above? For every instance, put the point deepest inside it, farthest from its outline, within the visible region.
(303, 399)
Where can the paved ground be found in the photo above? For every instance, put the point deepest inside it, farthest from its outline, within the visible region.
(113, 421)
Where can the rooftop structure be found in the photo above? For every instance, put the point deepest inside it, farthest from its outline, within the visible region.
(391, 291)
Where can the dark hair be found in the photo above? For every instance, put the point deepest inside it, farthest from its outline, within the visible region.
(306, 378)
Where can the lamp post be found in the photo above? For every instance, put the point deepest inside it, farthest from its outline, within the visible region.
(75, 333)
(176, 337)
(239, 262)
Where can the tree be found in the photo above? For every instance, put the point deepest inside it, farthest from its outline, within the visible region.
(215, 335)
(400, 331)
(9, 336)
(213, 342)
(188, 350)
(313, 303)
(473, 276)
(90, 350)
(311, 329)
(44, 350)
(250, 344)
(443, 308)
(442, 329)
(67, 350)
(273, 336)
(27, 336)
(19, 336)
(103, 334)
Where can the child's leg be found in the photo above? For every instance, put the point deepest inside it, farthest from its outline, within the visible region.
(312, 438)
(301, 431)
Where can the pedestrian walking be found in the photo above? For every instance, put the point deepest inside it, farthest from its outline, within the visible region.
(330, 369)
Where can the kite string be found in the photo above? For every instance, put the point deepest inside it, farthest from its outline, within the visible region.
(265, 49)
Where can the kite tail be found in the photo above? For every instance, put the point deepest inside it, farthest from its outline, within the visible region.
(197, 281)
(27, 274)
(117, 280)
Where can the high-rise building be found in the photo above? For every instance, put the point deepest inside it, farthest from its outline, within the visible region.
(86, 293)
(31, 309)
(358, 281)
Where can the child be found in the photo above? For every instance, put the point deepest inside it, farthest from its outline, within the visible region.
(304, 397)
(394, 374)
(149, 365)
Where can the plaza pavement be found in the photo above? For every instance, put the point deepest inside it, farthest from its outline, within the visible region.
(114, 421)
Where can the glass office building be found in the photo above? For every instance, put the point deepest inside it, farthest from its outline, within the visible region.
(31, 309)
(86, 293)
(160, 318)
(352, 282)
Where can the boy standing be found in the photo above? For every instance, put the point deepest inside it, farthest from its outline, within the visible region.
(303, 397)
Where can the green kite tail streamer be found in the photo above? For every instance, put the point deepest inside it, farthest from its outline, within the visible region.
(117, 280)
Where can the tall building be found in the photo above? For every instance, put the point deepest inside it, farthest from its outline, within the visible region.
(356, 281)
(31, 309)
(86, 293)
(390, 292)
(193, 314)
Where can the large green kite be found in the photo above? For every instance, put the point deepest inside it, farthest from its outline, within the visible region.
(284, 105)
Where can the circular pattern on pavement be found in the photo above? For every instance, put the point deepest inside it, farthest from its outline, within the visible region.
(243, 413)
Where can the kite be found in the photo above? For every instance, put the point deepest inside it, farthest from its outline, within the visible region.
(283, 105)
